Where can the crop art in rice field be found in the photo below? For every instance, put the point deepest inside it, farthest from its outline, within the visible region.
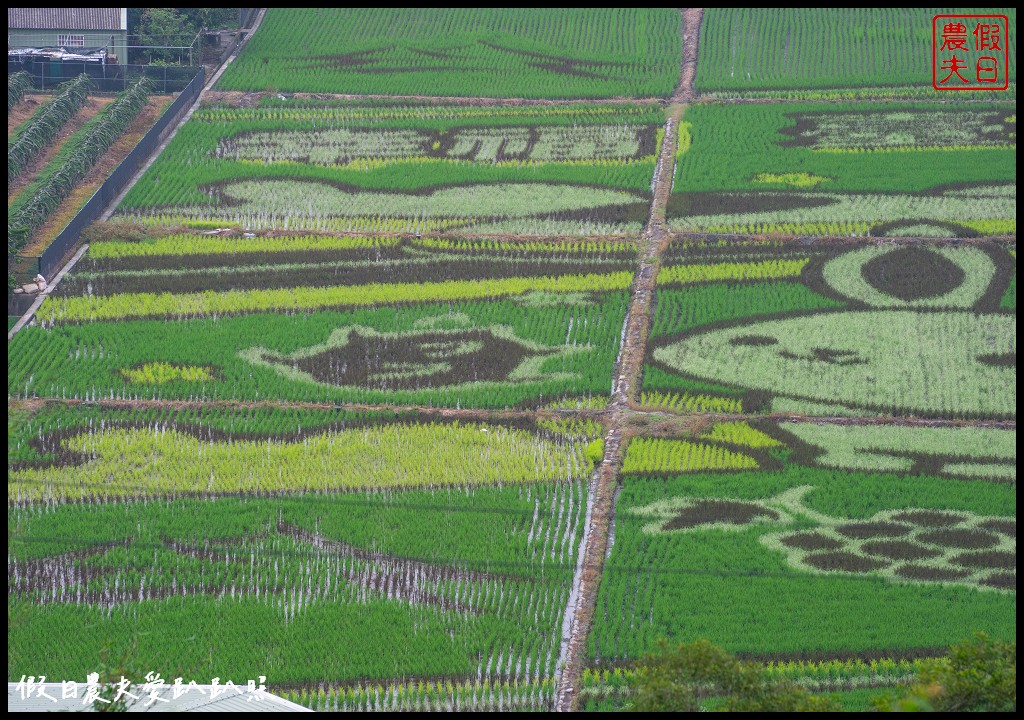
(422, 321)
(578, 169)
(848, 169)
(440, 351)
(875, 539)
(871, 330)
(911, 545)
(313, 545)
(463, 52)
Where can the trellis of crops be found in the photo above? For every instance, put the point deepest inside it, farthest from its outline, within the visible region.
(116, 119)
(17, 85)
(45, 124)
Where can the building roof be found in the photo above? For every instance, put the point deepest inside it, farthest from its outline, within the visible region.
(67, 19)
(23, 698)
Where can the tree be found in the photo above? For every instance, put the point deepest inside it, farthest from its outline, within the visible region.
(684, 678)
(162, 26)
(979, 675)
(176, 27)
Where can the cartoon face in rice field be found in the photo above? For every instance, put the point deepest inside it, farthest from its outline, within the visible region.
(437, 352)
(922, 333)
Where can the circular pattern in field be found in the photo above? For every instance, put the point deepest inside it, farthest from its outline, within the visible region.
(845, 561)
(711, 512)
(960, 538)
(940, 277)
(898, 550)
(912, 273)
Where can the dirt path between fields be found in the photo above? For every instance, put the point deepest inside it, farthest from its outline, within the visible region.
(467, 414)
(625, 387)
(686, 92)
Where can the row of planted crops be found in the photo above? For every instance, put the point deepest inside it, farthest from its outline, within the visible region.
(30, 206)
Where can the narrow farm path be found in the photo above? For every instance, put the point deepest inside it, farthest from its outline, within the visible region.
(625, 387)
(467, 414)
(241, 98)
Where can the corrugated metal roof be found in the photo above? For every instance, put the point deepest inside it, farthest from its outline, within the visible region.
(197, 699)
(64, 19)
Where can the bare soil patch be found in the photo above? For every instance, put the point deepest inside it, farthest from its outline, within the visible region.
(25, 109)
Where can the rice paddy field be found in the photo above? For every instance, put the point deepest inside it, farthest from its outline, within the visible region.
(820, 51)
(578, 169)
(452, 359)
(843, 169)
(464, 52)
(855, 331)
(251, 560)
(469, 324)
(803, 544)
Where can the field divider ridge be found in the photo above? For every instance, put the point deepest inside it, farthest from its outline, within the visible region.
(625, 386)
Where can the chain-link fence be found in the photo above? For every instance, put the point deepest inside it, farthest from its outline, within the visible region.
(107, 77)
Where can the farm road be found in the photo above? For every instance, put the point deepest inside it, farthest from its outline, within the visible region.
(625, 387)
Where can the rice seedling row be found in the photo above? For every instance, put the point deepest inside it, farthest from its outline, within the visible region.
(311, 261)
